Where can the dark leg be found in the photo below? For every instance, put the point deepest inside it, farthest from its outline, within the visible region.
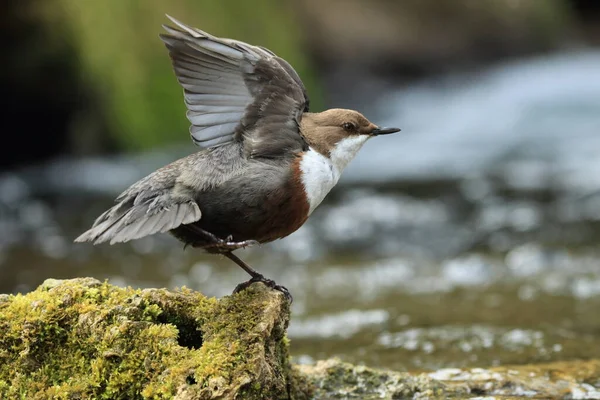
(225, 247)
(251, 271)
(256, 277)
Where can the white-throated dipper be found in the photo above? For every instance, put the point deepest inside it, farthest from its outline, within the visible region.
(266, 162)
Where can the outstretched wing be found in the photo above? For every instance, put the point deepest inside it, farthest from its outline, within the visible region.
(237, 92)
(234, 92)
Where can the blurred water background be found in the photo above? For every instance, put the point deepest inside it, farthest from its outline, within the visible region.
(470, 239)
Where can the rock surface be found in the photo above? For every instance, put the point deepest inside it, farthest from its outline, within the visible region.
(85, 339)
(80, 339)
(560, 380)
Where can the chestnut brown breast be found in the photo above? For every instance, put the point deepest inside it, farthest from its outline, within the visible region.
(289, 207)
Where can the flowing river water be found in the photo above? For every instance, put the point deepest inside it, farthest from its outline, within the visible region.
(470, 239)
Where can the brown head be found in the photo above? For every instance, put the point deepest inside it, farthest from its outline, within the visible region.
(334, 137)
(339, 133)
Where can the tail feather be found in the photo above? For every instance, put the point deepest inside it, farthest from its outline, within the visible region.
(117, 225)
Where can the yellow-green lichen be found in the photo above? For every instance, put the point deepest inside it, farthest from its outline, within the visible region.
(86, 339)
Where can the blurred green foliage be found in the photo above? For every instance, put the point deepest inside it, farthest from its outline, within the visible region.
(124, 60)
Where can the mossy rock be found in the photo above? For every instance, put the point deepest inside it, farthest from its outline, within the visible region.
(578, 379)
(83, 339)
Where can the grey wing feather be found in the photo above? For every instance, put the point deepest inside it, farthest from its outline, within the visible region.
(229, 86)
(147, 207)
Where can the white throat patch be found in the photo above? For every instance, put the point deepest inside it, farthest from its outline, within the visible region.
(321, 173)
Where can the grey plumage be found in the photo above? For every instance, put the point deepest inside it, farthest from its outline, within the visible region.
(149, 206)
(245, 106)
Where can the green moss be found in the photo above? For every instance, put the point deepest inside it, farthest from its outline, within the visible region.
(86, 339)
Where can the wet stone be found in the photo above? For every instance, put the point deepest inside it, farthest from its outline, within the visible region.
(334, 379)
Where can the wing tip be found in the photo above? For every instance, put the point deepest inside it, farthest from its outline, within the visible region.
(195, 33)
(81, 239)
(173, 19)
(88, 236)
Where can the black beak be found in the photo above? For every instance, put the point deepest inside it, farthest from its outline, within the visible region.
(384, 131)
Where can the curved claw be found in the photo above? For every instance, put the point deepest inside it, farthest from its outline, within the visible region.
(246, 243)
(269, 283)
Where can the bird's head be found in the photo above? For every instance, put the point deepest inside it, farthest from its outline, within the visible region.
(339, 133)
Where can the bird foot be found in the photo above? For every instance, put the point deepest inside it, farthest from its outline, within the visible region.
(218, 245)
(270, 283)
(228, 245)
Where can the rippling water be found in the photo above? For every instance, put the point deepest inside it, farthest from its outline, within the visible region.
(469, 239)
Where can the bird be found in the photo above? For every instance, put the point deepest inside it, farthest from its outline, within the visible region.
(265, 161)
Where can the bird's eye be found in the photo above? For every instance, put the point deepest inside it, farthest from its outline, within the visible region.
(349, 126)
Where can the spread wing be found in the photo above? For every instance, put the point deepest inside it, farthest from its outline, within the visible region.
(237, 92)
(234, 92)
